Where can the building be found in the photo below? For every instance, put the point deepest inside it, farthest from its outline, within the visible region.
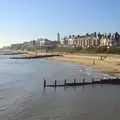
(106, 41)
(43, 42)
(89, 41)
(116, 39)
(58, 37)
(71, 40)
(47, 43)
(62, 41)
(84, 41)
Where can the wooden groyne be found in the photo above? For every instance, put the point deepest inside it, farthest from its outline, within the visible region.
(35, 56)
(74, 83)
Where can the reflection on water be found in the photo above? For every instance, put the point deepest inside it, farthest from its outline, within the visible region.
(22, 96)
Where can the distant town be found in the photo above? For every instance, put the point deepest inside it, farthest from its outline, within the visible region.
(84, 41)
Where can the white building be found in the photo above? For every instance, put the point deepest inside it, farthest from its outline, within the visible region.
(62, 41)
(70, 41)
(43, 42)
(105, 42)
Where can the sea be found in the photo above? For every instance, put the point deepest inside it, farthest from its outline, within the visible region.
(23, 97)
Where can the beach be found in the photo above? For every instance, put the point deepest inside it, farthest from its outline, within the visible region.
(109, 65)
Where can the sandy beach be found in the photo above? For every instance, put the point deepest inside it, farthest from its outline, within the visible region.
(109, 65)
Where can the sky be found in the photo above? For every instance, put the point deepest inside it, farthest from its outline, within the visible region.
(25, 20)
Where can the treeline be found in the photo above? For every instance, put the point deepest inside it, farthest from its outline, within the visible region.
(101, 49)
(23, 47)
(30, 48)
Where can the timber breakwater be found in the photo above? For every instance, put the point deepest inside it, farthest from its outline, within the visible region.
(115, 81)
(35, 56)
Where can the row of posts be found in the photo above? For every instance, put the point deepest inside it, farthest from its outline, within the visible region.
(66, 82)
(74, 82)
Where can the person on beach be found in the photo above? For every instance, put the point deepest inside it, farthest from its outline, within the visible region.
(93, 62)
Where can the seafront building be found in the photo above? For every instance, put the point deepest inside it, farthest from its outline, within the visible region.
(89, 40)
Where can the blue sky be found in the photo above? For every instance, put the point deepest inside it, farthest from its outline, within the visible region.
(24, 20)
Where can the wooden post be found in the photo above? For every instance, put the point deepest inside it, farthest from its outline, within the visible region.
(65, 82)
(83, 81)
(55, 83)
(74, 81)
(44, 82)
(92, 80)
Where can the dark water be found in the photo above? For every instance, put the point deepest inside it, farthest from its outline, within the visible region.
(22, 96)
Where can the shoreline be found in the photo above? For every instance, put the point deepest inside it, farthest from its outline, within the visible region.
(106, 63)
(108, 66)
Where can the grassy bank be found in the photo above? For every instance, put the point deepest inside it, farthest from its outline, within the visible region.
(101, 49)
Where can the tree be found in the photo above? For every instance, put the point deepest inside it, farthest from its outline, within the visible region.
(16, 46)
(101, 49)
(113, 49)
(87, 34)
